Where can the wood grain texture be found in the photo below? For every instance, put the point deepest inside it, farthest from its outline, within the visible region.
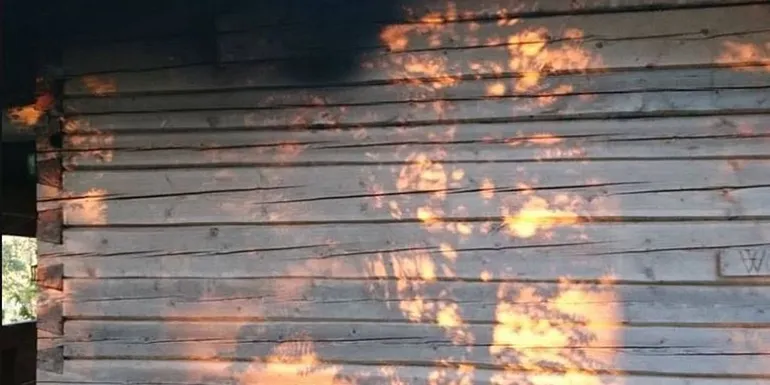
(745, 262)
(653, 350)
(598, 189)
(551, 86)
(651, 252)
(641, 104)
(580, 140)
(391, 300)
(125, 372)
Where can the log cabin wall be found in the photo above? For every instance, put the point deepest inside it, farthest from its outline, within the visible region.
(467, 192)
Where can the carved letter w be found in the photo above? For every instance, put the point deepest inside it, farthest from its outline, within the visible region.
(753, 259)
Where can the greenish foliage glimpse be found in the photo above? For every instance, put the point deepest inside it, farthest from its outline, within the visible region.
(19, 290)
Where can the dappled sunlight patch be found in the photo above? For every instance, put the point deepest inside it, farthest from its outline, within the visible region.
(552, 333)
(539, 215)
(87, 142)
(88, 208)
(745, 53)
(100, 85)
(532, 55)
(293, 362)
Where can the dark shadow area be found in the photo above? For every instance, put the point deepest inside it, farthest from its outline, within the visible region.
(18, 349)
(329, 27)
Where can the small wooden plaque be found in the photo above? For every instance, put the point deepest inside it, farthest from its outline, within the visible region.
(752, 261)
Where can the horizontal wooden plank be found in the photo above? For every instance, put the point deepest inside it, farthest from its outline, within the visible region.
(646, 252)
(261, 14)
(135, 372)
(447, 112)
(688, 137)
(554, 86)
(425, 300)
(658, 350)
(420, 190)
(256, 207)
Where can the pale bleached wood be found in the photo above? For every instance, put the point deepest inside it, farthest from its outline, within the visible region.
(146, 372)
(653, 350)
(649, 252)
(745, 262)
(381, 300)
(396, 114)
(627, 81)
(737, 136)
(281, 43)
(580, 139)
(376, 179)
(651, 189)
(251, 207)
(244, 148)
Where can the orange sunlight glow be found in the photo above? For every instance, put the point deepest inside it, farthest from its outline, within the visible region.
(553, 333)
(293, 362)
(30, 115)
(536, 215)
(89, 142)
(532, 56)
(99, 85)
(88, 208)
(734, 52)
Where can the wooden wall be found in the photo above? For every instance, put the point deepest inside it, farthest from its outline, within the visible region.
(476, 192)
